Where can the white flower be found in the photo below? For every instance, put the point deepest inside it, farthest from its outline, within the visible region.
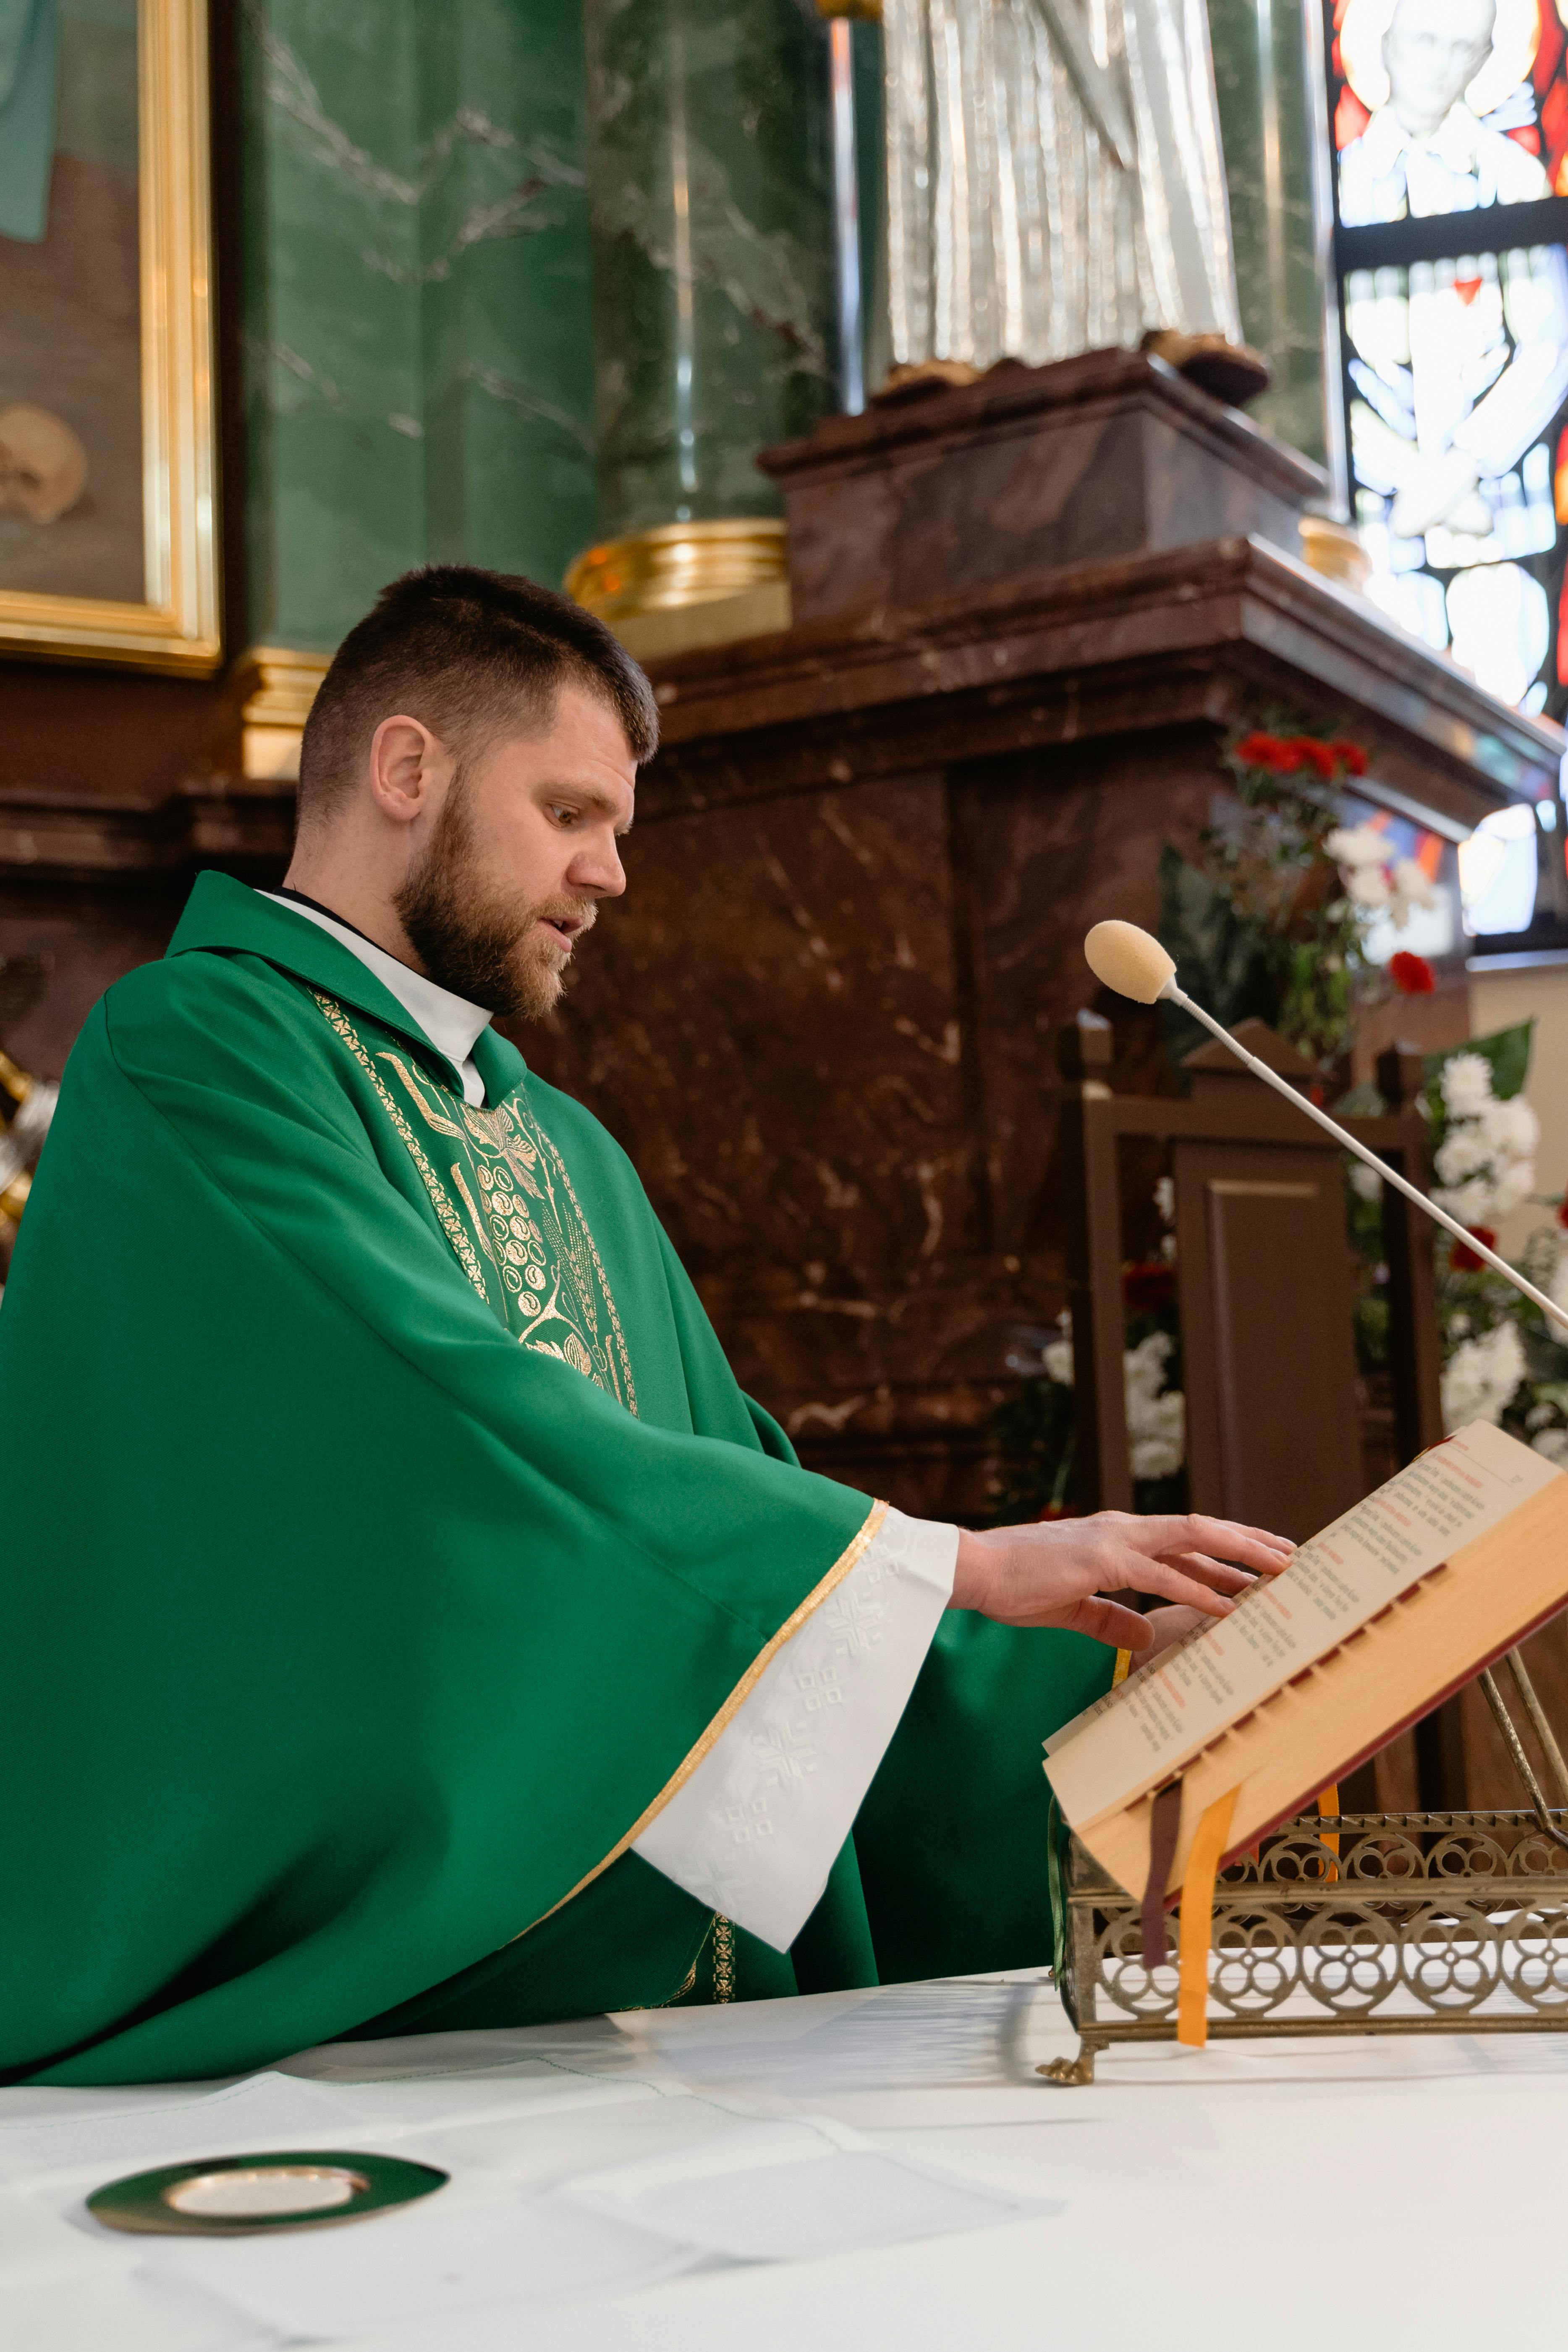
(1467, 1085)
(1145, 1365)
(1057, 1362)
(1486, 1163)
(1165, 1200)
(1156, 1424)
(1509, 1129)
(1057, 1357)
(1159, 1445)
(1481, 1375)
(1471, 1202)
(1514, 1182)
(1465, 1151)
(1365, 1182)
(1362, 844)
(1554, 1444)
(1413, 884)
(1368, 885)
(1412, 888)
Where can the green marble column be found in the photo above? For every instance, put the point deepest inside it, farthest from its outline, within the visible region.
(415, 296)
(334, 401)
(710, 176)
(504, 266)
(1267, 110)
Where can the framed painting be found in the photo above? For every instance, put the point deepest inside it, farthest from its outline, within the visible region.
(108, 426)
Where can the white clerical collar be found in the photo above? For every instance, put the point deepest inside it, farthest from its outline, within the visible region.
(452, 1025)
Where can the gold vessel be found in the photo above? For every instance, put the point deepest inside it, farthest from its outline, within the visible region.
(684, 585)
(677, 564)
(1334, 549)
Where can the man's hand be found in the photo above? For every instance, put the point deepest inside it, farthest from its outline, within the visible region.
(1057, 1574)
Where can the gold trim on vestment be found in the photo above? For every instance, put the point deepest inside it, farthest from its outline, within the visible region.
(819, 1592)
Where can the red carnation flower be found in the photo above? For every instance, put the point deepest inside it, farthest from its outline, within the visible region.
(1319, 756)
(1258, 749)
(1148, 1289)
(1465, 1261)
(1412, 974)
(1350, 756)
(1563, 1211)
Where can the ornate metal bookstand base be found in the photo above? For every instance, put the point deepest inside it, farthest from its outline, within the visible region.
(1366, 1923)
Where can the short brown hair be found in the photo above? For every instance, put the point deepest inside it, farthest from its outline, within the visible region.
(465, 651)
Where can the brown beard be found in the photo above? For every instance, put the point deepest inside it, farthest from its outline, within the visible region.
(488, 953)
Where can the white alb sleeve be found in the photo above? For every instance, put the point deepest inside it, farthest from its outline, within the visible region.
(755, 1830)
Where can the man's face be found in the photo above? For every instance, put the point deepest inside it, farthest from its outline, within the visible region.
(522, 850)
(1433, 50)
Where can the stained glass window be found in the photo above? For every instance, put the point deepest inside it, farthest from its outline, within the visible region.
(1458, 373)
(1450, 129)
(1446, 106)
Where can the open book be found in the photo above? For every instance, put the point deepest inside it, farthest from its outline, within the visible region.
(1373, 1623)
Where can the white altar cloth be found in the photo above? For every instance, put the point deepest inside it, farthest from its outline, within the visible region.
(861, 2170)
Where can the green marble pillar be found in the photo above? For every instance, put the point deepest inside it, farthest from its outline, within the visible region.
(335, 457)
(710, 197)
(1268, 108)
(415, 299)
(504, 268)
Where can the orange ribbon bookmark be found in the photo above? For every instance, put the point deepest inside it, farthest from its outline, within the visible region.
(1209, 1842)
(1328, 1803)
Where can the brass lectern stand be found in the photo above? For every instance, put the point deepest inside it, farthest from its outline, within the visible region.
(1362, 1923)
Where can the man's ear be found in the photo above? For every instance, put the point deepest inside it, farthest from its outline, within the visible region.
(409, 767)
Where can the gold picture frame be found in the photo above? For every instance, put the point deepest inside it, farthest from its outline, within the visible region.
(176, 625)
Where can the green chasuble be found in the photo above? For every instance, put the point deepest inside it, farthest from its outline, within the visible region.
(386, 1539)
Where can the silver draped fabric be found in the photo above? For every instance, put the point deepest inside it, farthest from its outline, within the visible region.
(1055, 179)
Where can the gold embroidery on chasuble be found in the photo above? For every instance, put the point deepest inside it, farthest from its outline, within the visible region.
(518, 1205)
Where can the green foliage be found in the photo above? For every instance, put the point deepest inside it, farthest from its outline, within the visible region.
(1034, 1437)
(1223, 957)
(1034, 1434)
(1261, 924)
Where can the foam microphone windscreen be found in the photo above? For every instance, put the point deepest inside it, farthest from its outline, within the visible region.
(1129, 961)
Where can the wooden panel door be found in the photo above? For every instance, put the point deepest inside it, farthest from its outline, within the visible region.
(1273, 1422)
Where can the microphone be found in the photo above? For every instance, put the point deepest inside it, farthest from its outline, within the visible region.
(1137, 966)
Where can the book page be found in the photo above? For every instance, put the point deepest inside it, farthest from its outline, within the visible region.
(1144, 1731)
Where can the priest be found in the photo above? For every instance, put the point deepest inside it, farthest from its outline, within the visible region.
(408, 1622)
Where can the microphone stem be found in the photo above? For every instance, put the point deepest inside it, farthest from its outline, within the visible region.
(1549, 1307)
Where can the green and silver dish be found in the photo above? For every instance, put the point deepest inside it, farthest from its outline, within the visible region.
(241, 2196)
